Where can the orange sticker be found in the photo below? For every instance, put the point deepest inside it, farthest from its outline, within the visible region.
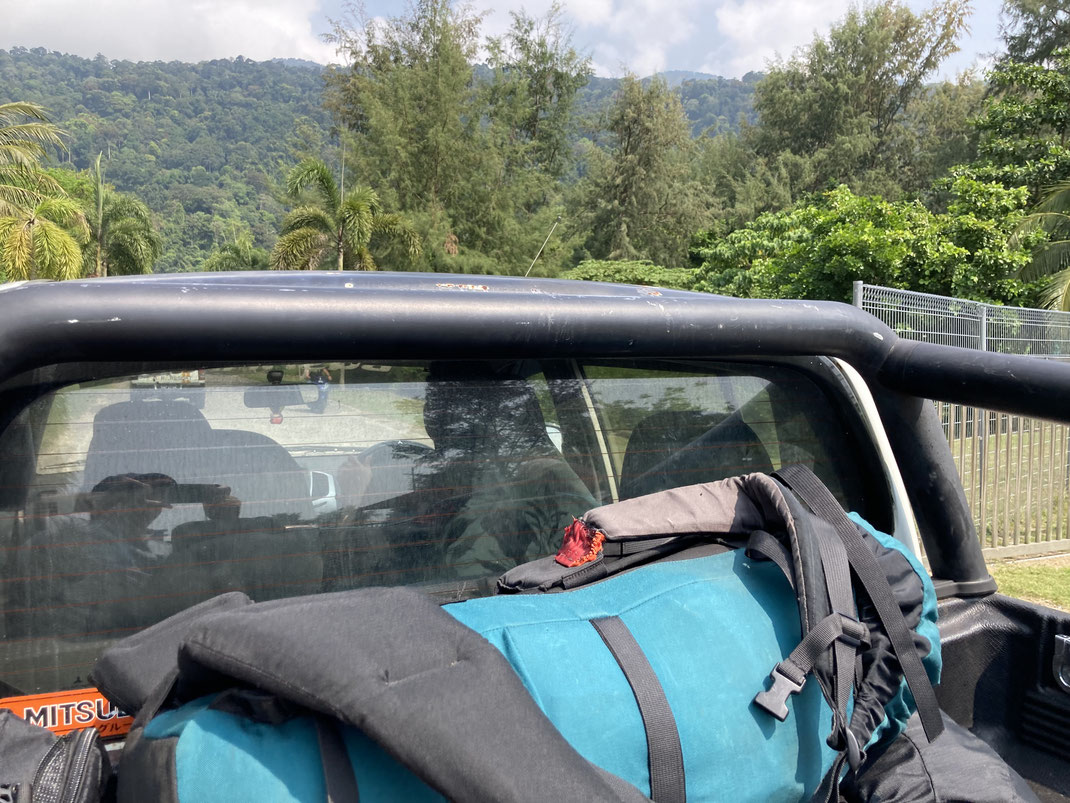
(65, 711)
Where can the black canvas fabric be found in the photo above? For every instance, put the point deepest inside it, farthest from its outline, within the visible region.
(955, 768)
(22, 746)
(36, 766)
(129, 671)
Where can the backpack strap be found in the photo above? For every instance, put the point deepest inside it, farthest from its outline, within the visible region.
(831, 632)
(813, 492)
(664, 754)
(338, 773)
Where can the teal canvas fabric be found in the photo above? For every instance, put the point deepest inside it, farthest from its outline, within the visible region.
(224, 758)
(712, 628)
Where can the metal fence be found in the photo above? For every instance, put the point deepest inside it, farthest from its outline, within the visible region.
(1015, 470)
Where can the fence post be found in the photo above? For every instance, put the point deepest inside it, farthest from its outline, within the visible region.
(982, 514)
(856, 293)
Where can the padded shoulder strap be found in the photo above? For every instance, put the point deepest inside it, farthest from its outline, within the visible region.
(733, 507)
(813, 492)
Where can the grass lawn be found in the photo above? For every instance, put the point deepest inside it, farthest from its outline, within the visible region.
(1042, 580)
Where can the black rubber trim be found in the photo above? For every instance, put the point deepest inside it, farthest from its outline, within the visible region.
(665, 756)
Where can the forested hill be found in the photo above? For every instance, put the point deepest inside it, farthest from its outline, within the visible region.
(201, 144)
(711, 103)
(205, 145)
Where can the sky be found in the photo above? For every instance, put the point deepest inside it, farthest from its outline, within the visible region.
(722, 37)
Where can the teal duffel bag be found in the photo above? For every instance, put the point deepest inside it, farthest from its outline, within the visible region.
(699, 644)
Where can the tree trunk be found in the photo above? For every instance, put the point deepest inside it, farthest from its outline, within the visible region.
(341, 250)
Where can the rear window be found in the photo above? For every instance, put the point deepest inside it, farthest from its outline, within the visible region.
(132, 498)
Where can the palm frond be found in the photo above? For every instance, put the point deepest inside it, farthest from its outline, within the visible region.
(308, 217)
(23, 142)
(395, 226)
(298, 250)
(18, 109)
(16, 197)
(1048, 259)
(66, 212)
(364, 260)
(55, 253)
(1056, 294)
(315, 174)
(357, 217)
(366, 196)
(28, 140)
(131, 248)
(1056, 198)
(35, 179)
(123, 207)
(16, 248)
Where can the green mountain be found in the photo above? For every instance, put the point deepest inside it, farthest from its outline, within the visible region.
(206, 145)
(201, 144)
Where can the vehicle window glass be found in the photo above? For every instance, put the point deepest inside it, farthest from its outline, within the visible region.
(668, 426)
(153, 492)
(148, 493)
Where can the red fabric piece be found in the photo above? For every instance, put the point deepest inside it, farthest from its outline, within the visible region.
(580, 545)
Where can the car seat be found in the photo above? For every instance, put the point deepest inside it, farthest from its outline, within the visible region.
(174, 438)
(672, 448)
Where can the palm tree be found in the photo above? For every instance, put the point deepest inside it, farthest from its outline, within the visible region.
(26, 134)
(35, 242)
(338, 227)
(240, 254)
(1052, 257)
(121, 228)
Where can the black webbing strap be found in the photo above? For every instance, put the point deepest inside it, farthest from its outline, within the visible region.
(841, 631)
(789, 675)
(622, 548)
(837, 571)
(766, 546)
(828, 791)
(337, 769)
(664, 754)
(813, 492)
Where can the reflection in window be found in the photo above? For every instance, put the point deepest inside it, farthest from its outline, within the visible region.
(137, 497)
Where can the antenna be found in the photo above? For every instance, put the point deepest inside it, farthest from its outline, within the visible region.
(544, 242)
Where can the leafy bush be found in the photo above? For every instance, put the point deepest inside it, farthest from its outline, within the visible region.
(641, 272)
(819, 247)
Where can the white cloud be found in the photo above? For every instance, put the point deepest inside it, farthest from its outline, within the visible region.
(150, 30)
(753, 32)
(641, 35)
(619, 35)
(591, 12)
(724, 37)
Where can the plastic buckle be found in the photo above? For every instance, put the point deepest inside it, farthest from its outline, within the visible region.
(774, 700)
